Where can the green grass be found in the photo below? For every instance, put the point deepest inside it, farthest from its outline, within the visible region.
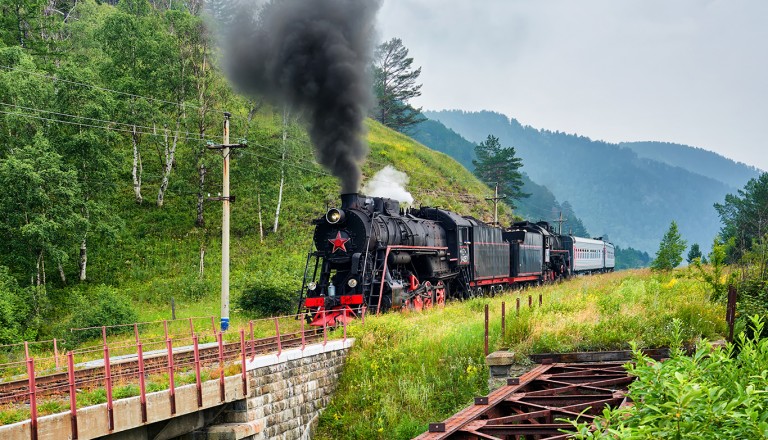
(407, 370)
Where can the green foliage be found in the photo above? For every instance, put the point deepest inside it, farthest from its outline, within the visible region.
(694, 253)
(714, 394)
(670, 253)
(744, 217)
(713, 273)
(407, 370)
(395, 84)
(17, 320)
(40, 207)
(541, 205)
(630, 258)
(106, 306)
(497, 165)
(270, 296)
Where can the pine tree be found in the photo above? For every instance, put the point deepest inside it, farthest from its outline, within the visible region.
(670, 253)
(498, 165)
(694, 253)
(395, 84)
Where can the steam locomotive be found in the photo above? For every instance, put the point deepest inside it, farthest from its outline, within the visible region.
(371, 253)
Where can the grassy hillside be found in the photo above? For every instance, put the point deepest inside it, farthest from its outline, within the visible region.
(157, 255)
(406, 371)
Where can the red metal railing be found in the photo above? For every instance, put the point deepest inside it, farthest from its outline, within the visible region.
(147, 357)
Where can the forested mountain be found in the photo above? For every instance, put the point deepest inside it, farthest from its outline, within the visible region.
(614, 191)
(696, 160)
(540, 205)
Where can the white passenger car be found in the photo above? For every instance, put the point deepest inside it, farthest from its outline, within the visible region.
(591, 255)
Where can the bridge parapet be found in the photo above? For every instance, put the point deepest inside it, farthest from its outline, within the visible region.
(285, 394)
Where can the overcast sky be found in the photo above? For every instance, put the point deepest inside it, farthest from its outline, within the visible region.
(693, 72)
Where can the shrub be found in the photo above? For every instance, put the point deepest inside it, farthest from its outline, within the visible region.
(270, 296)
(104, 307)
(714, 394)
(15, 310)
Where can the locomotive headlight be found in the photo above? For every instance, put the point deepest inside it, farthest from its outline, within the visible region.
(334, 215)
(464, 255)
(312, 285)
(352, 282)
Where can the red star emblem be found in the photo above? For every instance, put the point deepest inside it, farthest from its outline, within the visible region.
(338, 242)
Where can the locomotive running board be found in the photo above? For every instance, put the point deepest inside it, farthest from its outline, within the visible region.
(540, 403)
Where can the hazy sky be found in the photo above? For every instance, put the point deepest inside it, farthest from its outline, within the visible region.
(693, 72)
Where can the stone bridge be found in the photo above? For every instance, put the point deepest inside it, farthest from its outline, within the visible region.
(278, 397)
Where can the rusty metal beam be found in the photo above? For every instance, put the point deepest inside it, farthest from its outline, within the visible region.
(542, 404)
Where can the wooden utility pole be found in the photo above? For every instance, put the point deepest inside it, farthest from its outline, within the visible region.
(495, 200)
(225, 198)
(560, 222)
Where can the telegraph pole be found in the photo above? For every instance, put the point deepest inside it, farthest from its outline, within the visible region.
(560, 222)
(225, 198)
(495, 200)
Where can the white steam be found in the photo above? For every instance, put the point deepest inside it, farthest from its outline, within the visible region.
(389, 183)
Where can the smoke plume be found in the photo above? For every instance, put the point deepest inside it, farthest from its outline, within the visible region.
(313, 55)
(390, 183)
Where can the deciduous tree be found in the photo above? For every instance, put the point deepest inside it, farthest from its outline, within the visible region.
(745, 217)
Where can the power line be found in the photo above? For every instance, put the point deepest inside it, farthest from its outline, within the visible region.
(104, 89)
(195, 138)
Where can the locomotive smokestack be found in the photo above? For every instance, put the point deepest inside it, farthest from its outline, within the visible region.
(315, 57)
(349, 200)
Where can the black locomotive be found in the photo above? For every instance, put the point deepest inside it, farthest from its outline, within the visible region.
(371, 253)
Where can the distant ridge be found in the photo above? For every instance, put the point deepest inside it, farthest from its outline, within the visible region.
(614, 190)
(696, 160)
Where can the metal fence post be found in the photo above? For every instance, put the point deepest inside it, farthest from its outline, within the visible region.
(277, 337)
(198, 379)
(32, 398)
(56, 353)
(221, 366)
(485, 345)
(503, 319)
(303, 333)
(142, 383)
(72, 393)
(325, 329)
(242, 361)
(108, 386)
(171, 382)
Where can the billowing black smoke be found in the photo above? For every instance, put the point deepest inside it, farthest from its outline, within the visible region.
(313, 55)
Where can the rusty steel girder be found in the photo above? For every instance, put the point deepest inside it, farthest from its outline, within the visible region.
(539, 404)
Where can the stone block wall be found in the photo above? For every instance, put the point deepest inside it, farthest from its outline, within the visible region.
(287, 393)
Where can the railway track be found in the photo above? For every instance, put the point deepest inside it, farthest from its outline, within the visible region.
(126, 369)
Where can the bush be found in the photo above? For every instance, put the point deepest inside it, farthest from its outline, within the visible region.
(714, 394)
(16, 316)
(270, 297)
(104, 307)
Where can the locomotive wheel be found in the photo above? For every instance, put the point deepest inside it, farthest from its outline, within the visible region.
(440, 293)
(430, 292)
(417, 303)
